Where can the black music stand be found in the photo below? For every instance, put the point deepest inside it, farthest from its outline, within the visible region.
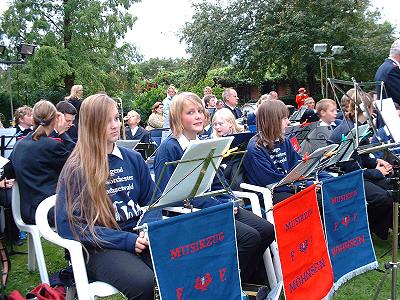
(305, 167)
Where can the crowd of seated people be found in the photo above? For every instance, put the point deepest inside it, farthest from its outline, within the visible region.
(86, 210)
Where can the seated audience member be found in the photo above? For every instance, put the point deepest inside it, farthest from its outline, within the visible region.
(344, 103)
(207, 91)
(156, 119)
(100, 211)
(231, 100)
(69, 112)
(300, 97)
(23, 121)
(327, 112)
(134, 131)
(253, 233)
(219, 104)
(37, 159)
(210, 101)
(310, 115)
(377, 194)
(224, 123)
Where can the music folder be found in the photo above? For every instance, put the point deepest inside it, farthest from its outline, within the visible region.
(130, 144)
(241, 138)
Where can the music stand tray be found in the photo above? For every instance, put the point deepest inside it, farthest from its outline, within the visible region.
(194, 172)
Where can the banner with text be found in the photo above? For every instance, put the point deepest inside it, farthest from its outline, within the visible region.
(195, 255)
(306, 268)
(346, 226)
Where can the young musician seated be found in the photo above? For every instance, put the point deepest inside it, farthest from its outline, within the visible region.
(377, 193)
(37, 159)
(23, 121)
(327, 112)
(253, 233)
(133, 131)
(269, 154)
(101, 191)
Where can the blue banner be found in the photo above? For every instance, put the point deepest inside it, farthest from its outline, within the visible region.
(346, 227)
(195, 255)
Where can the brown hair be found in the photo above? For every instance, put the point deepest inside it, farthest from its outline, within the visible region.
(86, 171)
(155, 106)
(21, 112)
(44, 112)
(176, 108)
(362, 97)
(269, 122)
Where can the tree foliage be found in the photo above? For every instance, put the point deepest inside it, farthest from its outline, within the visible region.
(77, 42)
(273, 39)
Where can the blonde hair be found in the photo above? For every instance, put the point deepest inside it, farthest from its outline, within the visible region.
(269, 122)
(226, 115)
(86, 171)
(134, 113)
(21, 112)
(44, 112)
(155, 106)
(176, 108)
(74, 91)
(323, 105)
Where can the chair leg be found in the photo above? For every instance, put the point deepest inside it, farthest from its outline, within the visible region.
(31, 254)
(71, 293)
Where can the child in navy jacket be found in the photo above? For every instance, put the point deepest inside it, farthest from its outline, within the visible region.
(101, 192)
(253, 233)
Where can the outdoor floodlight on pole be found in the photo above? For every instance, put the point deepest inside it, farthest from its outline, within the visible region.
(321, 49)
(22, 49)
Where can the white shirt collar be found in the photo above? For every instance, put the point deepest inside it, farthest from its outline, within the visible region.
(322, 123)
(184, 142)
(395, 61)
(134, 130)
(116, 152)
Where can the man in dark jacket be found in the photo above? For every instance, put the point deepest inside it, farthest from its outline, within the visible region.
(389, 73)
(231, 101)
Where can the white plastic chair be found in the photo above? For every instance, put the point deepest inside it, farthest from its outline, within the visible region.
(84, 289)
(267, 197)
(34, 243)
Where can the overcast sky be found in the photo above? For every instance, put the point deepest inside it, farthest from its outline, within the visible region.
(154, 32)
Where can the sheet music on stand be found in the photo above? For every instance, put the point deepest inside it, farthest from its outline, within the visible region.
(298, 114)
(347, 147)
(390, 116)
(3, 161)
(195, 171)
(306, 166)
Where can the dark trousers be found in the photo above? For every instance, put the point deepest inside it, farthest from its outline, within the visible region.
(131, 274)
(379, 207)
(254, 235)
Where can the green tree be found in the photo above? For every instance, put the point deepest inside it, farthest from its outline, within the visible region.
(273, 39)
(77, 42)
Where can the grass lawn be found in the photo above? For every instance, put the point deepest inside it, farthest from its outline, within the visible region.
(360, 287)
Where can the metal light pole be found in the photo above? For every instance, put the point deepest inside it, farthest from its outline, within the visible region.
(24, 50)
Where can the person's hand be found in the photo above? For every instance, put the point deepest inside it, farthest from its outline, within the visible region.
(61, 125)
(141, 243)
(235, 210)
(6, 183)
(383, 164)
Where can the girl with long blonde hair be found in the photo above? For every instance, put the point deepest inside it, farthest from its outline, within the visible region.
(100, 194)
(253, 233)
